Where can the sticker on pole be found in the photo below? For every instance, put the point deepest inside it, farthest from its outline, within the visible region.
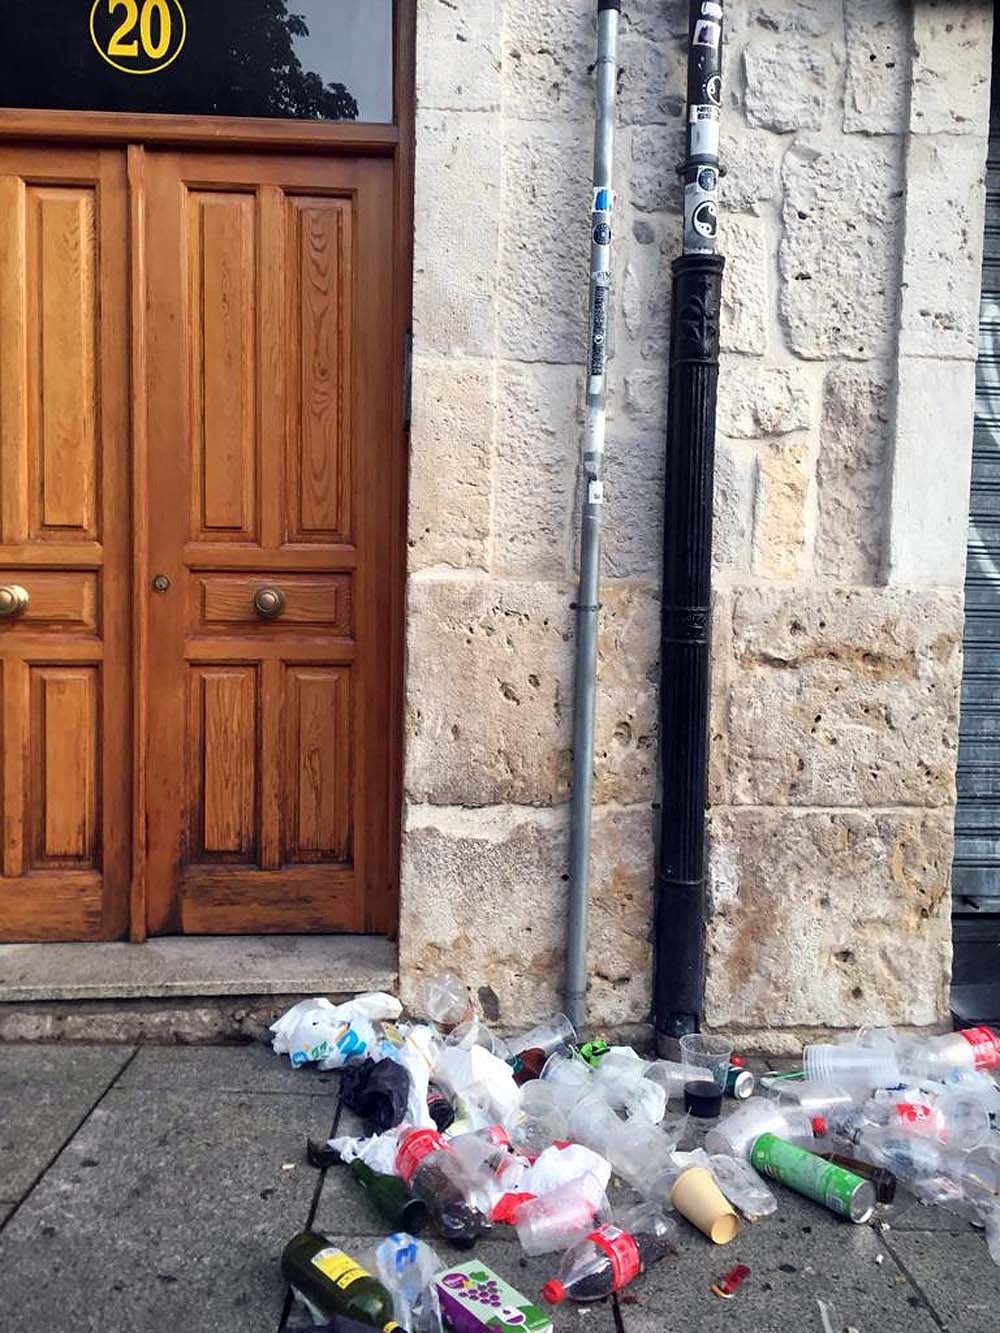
(707, 33)
(595, 493)
(602, 233)
(603, 200)
(711, 10)
(705, 219)
(713, 89)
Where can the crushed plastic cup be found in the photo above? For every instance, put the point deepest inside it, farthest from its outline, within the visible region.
(593, 1123)
(816, 1099)
(641, 1154)
(734, 1135)
(552, 1034)
(706, 1058)
(446, 1001)
(742, 1186)
(553, 1222)
(669, 1075)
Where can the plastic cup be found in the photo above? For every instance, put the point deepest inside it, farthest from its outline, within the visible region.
(552, 1034)
(593, 1123)
(757, 1115)
(640, 1153)
(697, 1197)
(706, 1058)
(476, 1033)
(817, 1099)
(872, 1063)
(555, 1221)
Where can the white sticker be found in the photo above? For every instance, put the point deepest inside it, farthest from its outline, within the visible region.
(711, 10)
(595, 493)
(707, 33)
(703, 113)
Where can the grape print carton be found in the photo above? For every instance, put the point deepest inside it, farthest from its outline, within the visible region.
(474, 1298)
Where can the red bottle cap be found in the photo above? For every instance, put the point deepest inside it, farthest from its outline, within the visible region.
(554, 1291)
(819, 1126)
(737, 1060)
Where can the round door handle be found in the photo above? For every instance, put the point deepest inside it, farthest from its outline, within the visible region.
(13, 600)
(269, 603)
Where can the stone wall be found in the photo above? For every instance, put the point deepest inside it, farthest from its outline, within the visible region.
(854, 134)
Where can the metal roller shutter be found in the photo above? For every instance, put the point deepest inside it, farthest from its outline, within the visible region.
(976, 878)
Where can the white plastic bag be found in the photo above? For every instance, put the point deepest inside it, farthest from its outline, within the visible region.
(316, 1031)
(477, 1075)
(378, 1152)
(558, 1166)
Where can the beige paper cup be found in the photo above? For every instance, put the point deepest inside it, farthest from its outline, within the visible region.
(697, 1197)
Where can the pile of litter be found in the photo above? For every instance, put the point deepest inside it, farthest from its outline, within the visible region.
(469, 1132)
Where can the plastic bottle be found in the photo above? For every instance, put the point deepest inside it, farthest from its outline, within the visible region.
(611, 1256)
(407, 1268)
(457, 1202)
(555, 1221)
(334, 1284)
(972, 1049)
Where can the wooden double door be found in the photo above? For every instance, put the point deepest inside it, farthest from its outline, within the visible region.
(198, 503)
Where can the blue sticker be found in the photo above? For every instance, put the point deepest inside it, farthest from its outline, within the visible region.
(602, 201)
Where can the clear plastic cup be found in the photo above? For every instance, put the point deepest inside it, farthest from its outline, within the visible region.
(555, 1221)
(734, 1136)
(669, 1074)
(822, 1099)
(593, 1123)
(446, 1001)
(476, 1033)
(552, 1034)
(706, 1059)
(641, 1155)
(872, 1062)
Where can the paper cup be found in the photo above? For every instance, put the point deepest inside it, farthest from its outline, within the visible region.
(697, 1197)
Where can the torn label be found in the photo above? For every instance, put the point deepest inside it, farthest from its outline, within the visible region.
(711, 10)
(595, 493)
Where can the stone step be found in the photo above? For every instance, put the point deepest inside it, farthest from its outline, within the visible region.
(207, 989)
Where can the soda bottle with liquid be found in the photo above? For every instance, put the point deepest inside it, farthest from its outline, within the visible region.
(455, 1200)
(611, 1256)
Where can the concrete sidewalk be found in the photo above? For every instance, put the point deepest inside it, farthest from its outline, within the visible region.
(150, 1190)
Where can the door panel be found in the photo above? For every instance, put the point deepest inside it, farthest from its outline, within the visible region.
(271, 360)
(64, 538)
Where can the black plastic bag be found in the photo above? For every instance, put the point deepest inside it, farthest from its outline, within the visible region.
(378, 1092)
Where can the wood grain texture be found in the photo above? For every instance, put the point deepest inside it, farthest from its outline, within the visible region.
(228, 599)
(289, 775)
(64, 524)
(222, 251)
(60, 599)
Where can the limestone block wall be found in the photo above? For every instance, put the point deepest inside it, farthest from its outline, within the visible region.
(855, 135)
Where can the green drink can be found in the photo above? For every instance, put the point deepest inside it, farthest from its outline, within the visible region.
(834, 1187)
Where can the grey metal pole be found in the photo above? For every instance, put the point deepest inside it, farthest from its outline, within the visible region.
(587, 605)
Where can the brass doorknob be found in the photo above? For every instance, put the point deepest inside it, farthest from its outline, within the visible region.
(13, 600)
(269, 603)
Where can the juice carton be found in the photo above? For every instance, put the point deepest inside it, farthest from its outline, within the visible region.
(474, 1299)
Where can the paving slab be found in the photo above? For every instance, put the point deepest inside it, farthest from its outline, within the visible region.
(45, 1091)
(168, 1210)
(909, 1214)
(956, 1275)
(800, 1255)
(253, 1069)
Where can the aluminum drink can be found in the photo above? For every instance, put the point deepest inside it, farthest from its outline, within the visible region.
(740, 1083)
(833, 1186)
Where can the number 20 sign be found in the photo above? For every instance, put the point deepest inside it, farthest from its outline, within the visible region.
(138, 36)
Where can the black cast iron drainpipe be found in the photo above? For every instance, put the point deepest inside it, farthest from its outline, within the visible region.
(687, 548)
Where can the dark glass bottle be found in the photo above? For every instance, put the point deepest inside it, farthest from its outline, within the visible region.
(391, 1198)
(335, 1284)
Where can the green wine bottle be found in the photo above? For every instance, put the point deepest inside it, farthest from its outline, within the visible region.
(392, 1199)
(335, 1284)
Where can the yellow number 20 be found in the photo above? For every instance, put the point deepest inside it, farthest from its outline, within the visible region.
(155, 22)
